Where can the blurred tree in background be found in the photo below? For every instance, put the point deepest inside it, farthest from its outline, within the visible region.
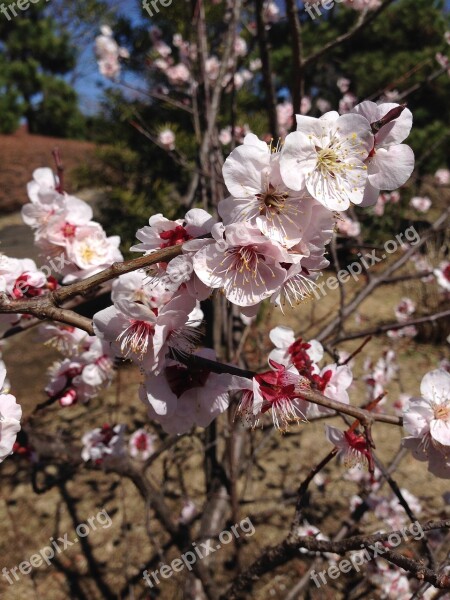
(38, 54)
(143, 179)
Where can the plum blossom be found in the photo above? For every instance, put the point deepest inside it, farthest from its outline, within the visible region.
(343, 84)
(405, 332)
(259, 196)
(442, 274)
(64, 229)
(279, 391)
(10, 415)
(102, 443)
(108, 53)
(305, 105)
(162, 233)
(404, 309)
(352, 447)
(422, 205)
(389, 509)
(323, 105)
(378, 375)
(390, 163)
(442, 176)
(271, 12)
(333, 382)
(181, 397)
(347, 102)
(347, 226)
(225, 137)
(392, 583)
(177, 74)
(145, 334)
(166, 138)
(285, 114)
(141, 444)
(383, 199)
(427, 422)
(87, 367)
(291, 351)
(326, 156)
(244, 263)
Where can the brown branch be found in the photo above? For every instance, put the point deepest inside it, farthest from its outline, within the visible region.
(380, 279)
(282, 553)
(392, 327)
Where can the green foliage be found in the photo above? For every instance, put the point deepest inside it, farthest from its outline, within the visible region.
(33, 57)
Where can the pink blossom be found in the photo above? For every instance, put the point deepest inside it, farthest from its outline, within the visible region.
(383, 199)
(427, 423)
(352, 447)
(141, 444)
(442, 176)
(145, 335)
(343, 84)
(271, 12)
(390, 163)
(225, 136)
(333, 382)
(178, 74)
(420, 204)
(166, 138)
(347, 102)
(323, 105)
(348, 227)
(279, 391)
(180, 398)
(188, 512)
(240, 46)
(285, 114)
(101, 443)
(442, 274)
(10, 415)
(404, 309)
(244, 263)
(326, 157)
(289, 351)
(259, 196)
(305, 105)
(108, 53)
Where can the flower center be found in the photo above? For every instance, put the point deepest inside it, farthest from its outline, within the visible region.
(141, 442)
(442, 412)
(327, 160)
(446, 272)
(271, 200)
(172, 237)
(134, 339)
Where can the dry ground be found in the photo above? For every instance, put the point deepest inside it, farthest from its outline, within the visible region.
(21, 153)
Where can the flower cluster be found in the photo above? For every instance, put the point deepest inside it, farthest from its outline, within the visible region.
(75, 245)
(20, 278)
(87, 366)
(293, 368)
(102, 443)
(109, 53)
